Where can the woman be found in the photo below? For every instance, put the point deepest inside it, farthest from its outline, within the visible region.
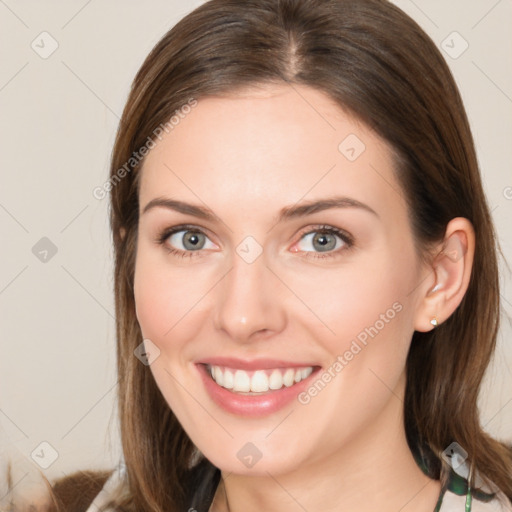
(305, 270)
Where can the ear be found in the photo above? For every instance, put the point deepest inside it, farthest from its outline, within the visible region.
(450, 274)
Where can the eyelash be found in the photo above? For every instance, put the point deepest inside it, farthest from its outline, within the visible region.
(324, 229)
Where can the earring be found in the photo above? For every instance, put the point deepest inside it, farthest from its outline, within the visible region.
(434, 322)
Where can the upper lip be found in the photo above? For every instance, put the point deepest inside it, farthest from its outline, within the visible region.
(254, 364)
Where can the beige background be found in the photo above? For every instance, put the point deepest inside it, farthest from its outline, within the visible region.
(58, 120)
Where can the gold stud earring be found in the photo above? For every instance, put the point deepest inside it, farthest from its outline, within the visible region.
(434, 322)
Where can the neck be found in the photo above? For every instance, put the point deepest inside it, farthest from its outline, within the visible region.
(375, 470)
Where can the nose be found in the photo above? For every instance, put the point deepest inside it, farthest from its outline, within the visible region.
(249, 303)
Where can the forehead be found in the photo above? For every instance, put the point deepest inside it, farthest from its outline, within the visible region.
(272, 145)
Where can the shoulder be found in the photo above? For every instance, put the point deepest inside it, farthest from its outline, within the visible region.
(23, 487)
(203, 481)
(487, 497)
(90, 491)
(455, 503)
(76, 492)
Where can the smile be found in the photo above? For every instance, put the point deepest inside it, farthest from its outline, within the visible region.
(259, 381)
(254, 388)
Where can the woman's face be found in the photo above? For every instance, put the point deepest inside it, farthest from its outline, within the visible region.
(302, 309)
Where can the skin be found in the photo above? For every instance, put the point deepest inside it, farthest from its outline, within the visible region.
(246, 157)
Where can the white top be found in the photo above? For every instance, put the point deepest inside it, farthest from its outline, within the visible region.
(112, 485)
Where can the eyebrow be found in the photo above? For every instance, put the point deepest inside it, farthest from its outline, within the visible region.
(286, 213)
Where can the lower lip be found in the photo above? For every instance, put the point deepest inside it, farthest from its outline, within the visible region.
(252, 405)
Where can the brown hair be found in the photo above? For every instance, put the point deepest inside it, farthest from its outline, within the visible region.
(378, 64)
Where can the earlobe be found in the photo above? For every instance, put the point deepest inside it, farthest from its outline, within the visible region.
(451, 269)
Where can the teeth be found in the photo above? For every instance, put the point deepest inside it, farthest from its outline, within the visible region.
(229, 379)
(276, 380)
(306, 372)
(242, 381)
(259, 381)
(289, 377)
(218, 376)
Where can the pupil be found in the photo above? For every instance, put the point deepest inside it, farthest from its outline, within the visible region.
(325, 243)
(193, 240)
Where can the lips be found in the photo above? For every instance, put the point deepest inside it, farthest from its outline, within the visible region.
(254, 388)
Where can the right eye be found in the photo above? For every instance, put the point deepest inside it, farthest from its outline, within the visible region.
(185, 240)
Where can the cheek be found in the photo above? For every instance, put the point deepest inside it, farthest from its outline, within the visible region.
(365, 331)
(160, 298)
(371, 320)
(357, 301)
(152, 302)
(164, 305)
(171, 298)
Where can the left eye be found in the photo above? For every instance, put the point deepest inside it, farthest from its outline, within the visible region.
(323, 240)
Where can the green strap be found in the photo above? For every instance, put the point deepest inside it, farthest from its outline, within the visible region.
(469, 499)
(468, 494)
(455, 484)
